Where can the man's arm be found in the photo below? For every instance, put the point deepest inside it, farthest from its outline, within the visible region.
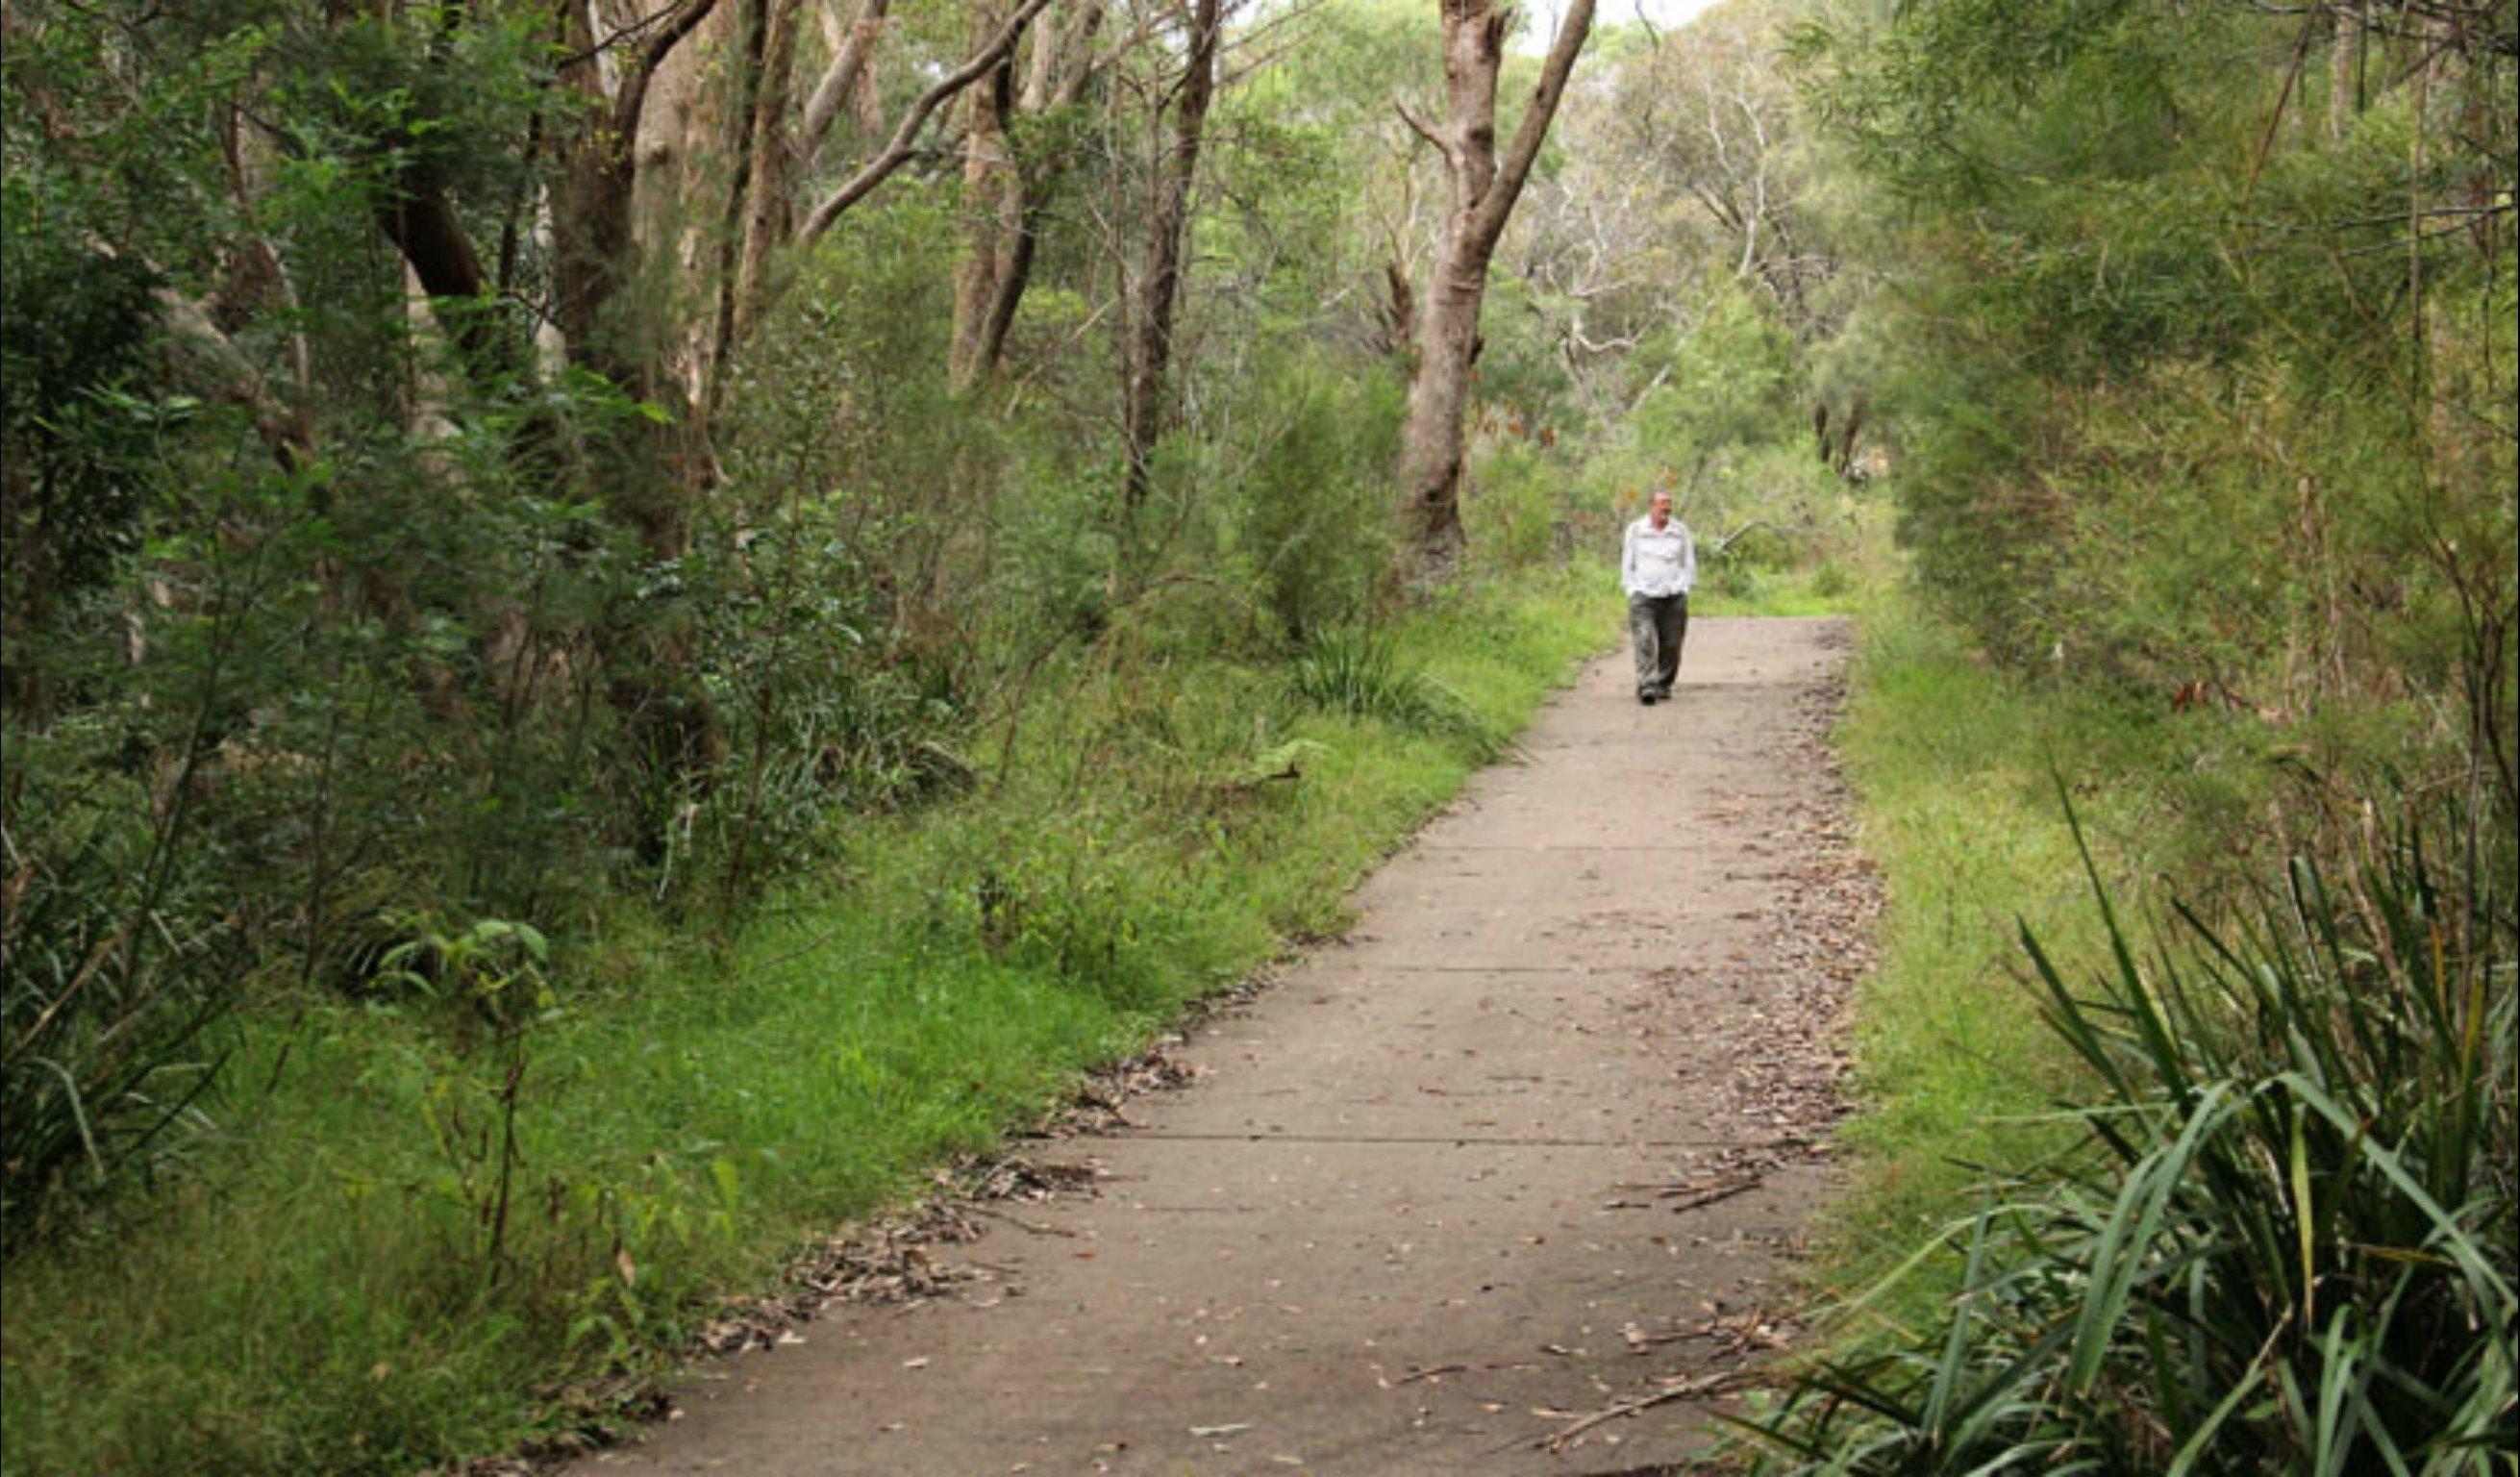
(1687, 560)
(1628, 560)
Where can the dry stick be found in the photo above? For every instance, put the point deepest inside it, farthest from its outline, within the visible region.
(1726, 541)
(627, 35)
(508, 1157)
(1037, 1227)
(1704, 1384)
(1700, 1199)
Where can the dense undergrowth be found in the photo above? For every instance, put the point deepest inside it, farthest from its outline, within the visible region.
(399, 1243)
(2187, 746)
(2184, 1147)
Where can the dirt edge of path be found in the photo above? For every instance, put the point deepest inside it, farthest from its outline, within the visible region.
(1810, 953)
(897, 1257)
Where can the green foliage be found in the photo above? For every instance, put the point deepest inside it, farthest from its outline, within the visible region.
(1360, 672)
(110, 970)
(313, 584)
(78, 324)
(2286, 1241)
(1516, 512)
(2194, 382)
(1721, 421)
(326, 1292)
(1071, 904)
(1725, 383)
(492, 966)
(1311, 522)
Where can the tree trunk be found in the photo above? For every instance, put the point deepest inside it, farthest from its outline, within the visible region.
(1479, 192)
(1062, 63)
(595, 249)
(2345, 71)
(992, 197)
(752, 48)
(767, 214)
(1439, 395)
(844, 82)
(423, 226)
(1152, 346)
(592, 243)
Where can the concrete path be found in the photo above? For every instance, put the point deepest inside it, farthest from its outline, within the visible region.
(1531, 1143)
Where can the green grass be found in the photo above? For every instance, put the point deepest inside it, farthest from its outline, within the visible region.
(1842, 571)
(314, 1292)
(2213, 1176)
(1794, 592)
(1954, 766)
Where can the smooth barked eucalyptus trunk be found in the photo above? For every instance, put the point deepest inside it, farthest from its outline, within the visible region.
(1480, 187)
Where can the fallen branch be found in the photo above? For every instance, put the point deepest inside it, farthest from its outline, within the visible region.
(1688, 1197)
(1704, 1384)
(1725, 541)
(1037, 1227)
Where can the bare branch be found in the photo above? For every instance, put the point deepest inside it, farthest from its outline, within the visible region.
(633, 101)
(1419, 127)
(1498, 200)
(626, 35)
(905, 137)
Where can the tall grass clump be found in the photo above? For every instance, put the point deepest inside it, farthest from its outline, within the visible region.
(107, 988)
(2286, 1241)
(1361, 673)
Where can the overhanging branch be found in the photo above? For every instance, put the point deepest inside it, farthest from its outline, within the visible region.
(905, 137)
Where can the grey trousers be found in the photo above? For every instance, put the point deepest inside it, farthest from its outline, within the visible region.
(1657, 624)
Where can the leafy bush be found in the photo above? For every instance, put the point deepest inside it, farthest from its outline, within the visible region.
(1728, 381)
(2287, 1243)
(1314, 519)
(75, 327)
(1513, 509)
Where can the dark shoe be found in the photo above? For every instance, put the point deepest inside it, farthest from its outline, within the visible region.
(1649, 699)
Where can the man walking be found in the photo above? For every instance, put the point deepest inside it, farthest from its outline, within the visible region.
(1658, 565)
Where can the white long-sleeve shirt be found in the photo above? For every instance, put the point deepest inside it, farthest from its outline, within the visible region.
(1659, 562)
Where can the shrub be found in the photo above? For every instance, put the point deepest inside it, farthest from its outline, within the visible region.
(1313, 520)
(1360, 673)
(112, 966)
(2287, 1243)
(1082, 900)
(1513, 509)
